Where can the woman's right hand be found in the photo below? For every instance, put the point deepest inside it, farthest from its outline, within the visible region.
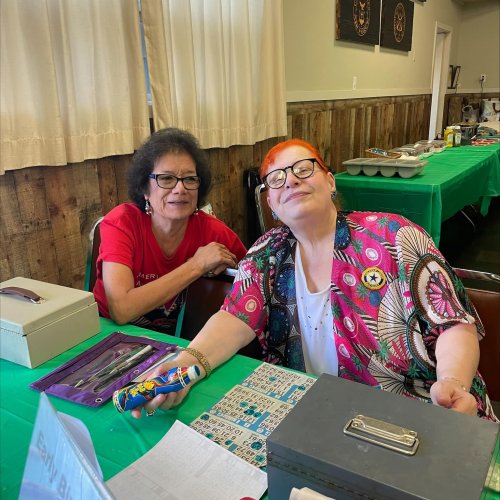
(221, 337)
(214, 258)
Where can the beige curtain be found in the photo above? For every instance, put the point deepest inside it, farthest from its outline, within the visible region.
(72, 81)
(217, 68)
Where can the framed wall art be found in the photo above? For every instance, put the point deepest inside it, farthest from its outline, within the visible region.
(397, 24)
(453, 75)
(358, 21)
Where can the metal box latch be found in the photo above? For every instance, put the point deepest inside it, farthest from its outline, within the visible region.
(391, 436)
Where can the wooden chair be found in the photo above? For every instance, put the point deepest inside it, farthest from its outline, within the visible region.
(92, 254)
(486, 302)
(204, 298)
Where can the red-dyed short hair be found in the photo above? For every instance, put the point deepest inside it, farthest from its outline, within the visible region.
(274, 151)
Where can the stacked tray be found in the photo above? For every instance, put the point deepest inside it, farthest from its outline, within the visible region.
(386, 167)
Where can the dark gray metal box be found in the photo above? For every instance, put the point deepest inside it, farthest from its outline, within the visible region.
(310, 449)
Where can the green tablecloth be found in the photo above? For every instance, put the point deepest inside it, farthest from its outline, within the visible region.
(118, 439)
(451, 179)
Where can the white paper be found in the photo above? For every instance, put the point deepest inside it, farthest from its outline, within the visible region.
(186, 465)
(307, 494)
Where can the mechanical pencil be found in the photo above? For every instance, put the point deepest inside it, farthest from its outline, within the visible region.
(123, 367)
(117, 361)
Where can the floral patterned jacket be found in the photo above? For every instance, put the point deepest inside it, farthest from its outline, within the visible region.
(392, 295)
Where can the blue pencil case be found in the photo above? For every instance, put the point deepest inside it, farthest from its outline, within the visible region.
(91, 377)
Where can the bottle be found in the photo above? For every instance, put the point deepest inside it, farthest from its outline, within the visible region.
(449, 136)
(135, 395)
(457, 136)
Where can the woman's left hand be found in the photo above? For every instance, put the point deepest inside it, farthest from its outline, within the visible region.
(213, 259)
(450, 394)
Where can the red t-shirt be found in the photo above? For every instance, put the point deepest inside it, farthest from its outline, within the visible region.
(127, 238)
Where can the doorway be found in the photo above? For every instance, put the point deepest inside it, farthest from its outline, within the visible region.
(442, 43)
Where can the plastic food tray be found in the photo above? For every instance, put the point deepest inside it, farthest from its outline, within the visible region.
(439, 146)
(386, 167)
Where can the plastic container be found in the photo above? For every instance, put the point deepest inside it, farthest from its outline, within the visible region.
(439, 146)
(468, 131)
(425, 147)
(387, 167)
(449, 136)
(381, 153)
(409, 152)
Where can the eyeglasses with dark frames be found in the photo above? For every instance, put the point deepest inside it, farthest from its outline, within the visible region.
(302, 169)
(169, 181)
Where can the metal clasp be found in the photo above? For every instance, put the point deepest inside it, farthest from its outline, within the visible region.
(391, 436)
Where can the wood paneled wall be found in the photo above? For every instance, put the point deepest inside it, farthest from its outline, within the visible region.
(344, 129)
(47, 212)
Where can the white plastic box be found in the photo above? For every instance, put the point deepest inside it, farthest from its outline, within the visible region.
(32, 333)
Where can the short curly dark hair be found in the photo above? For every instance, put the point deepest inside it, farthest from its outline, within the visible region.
(160, 143)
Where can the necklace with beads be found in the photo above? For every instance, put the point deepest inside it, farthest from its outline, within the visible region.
(316, 309)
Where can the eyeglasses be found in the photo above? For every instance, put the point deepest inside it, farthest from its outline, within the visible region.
(169, 181)
(302, 169)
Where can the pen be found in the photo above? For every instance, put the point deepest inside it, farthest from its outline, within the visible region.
(122, 368)
(117, 358)
(112, 365)
(133, 359)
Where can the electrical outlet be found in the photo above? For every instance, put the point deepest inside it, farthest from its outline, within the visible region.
(354, 82)
(482, 78)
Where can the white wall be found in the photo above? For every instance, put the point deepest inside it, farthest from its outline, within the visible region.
(479, 46)
(319, 67)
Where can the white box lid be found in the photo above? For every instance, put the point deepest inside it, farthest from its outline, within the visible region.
(22, 316)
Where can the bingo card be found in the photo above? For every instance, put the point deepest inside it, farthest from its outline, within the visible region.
(247, 414)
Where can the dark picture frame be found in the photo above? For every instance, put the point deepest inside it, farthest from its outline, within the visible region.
(453, 76)
(456, 75)
(397, 24)
(358, 21)
(451, 69)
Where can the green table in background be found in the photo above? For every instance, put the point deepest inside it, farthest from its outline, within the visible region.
(118, 438)
(451, 180)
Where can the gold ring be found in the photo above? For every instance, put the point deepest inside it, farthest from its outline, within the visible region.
(150, 413)
(210, 274)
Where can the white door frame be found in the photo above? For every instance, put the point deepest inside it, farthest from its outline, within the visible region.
(439, 82)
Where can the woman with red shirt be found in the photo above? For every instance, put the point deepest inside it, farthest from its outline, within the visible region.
(153, 248)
